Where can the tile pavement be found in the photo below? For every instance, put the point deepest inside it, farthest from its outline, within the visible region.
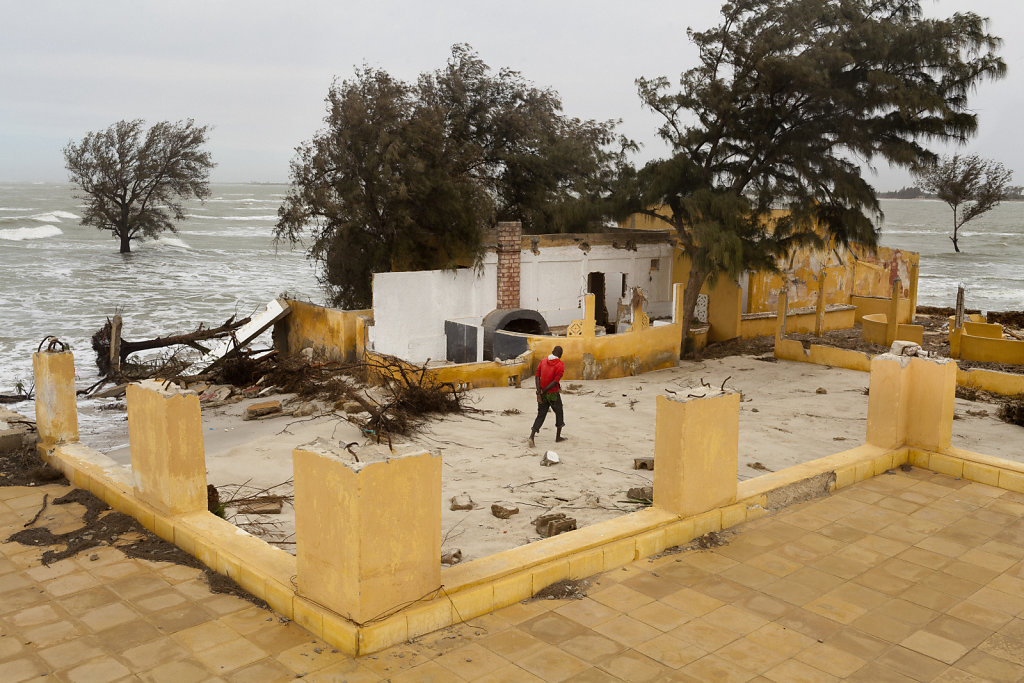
(905, 577)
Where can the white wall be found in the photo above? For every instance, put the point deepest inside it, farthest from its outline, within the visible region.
(409, 309)
(554, 282)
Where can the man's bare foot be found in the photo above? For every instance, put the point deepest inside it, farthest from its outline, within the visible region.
(531, 442)
(561, 438)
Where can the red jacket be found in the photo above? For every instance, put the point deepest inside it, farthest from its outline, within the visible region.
(550, 371)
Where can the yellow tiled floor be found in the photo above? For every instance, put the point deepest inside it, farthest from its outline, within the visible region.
(908, 576)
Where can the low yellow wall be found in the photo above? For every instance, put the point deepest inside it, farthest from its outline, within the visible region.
(1002, 383)
(791, 349)
(871, 305)
(874, 330)
(613, 355)
(988, 350)
(983, 342)
(986, 330)
(329, 331)
(801, 322)
(470, 375)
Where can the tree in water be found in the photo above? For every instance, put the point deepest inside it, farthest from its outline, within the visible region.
(405, 176)
(133, 180)
(787, 97)
(971, 185)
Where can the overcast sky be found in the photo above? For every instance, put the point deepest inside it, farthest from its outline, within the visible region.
(258, 71)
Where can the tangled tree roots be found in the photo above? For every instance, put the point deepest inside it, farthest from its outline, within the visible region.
(1013, 410)
(412, 394)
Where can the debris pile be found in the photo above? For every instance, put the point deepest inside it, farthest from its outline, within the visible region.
(383, 395)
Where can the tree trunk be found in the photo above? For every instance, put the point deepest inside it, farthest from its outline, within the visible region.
(956, 247)
(126, 243)
(693, 284)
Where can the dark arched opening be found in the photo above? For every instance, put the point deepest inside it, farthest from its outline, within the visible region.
(521, 320)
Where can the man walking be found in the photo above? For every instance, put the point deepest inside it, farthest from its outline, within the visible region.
(549, 371)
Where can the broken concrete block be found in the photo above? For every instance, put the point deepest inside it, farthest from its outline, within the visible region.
(641, 493)
(260, 409)
(352, 407)
(504, 510)
(821, 390)
(553, 524)
(462, 502)
(218, 392)
(905, 348)
(549, 458)
(16, 431)
(643, 463)
(452, 557)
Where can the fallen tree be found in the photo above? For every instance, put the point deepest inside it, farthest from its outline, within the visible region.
(112, 351)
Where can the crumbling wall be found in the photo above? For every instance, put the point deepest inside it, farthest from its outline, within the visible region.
(330, 332)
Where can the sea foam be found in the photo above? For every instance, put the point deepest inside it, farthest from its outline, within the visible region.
(21, 234)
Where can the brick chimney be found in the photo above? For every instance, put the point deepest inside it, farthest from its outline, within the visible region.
(509, 239)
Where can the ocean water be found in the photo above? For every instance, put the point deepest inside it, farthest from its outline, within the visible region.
(990, 265)
(60, 278)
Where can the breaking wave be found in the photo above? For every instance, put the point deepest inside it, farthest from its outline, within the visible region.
(53, 216)
(22, 234)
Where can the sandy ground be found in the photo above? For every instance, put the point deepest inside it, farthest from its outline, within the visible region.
(784, 420)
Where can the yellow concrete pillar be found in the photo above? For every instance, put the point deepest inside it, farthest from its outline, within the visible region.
(165, 432)
(931, 396)
(56, 407)
(819, 308)
(725, 309)
(780, 319)
(910, 402)
(887, 396)
(696, 446)
(589, 315)
(892, 318)
(368, 530)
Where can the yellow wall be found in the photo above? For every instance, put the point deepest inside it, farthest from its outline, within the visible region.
(983, 342)
(990, 350)
(874, 330)
(791, 349)
(868, 305)
(613, 355)
(329, 331)
(848, 274)
(763, 324)
(471, 375)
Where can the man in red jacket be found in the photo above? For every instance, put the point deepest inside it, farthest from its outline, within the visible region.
(549, 371)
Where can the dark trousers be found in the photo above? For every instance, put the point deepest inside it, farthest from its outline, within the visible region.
(545, 404)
